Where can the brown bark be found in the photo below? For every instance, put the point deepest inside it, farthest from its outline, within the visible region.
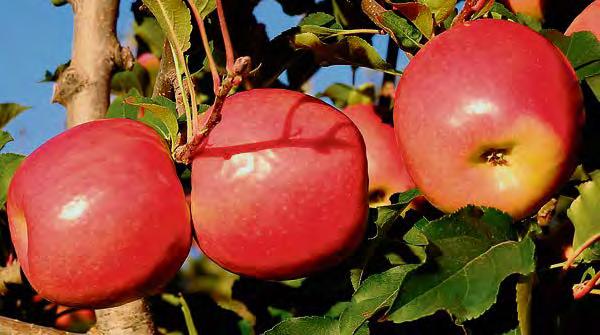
(15, 327)
(84, 87)
(131, 318)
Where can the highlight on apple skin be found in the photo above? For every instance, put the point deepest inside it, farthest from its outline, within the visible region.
(587, 20)
(502, 130)
(280, 189)
(89, 232)
(387, 173)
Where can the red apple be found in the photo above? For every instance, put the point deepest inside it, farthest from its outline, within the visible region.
(280, 190)
(489, 113)
(98, 216)
(587, 20)
(533, 8)
(387, 173)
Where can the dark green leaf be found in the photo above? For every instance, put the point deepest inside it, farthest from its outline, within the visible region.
(124, 81)
(317, 19)
(502, 11)
(419, 14)
(59, 3)
(585, 215)
(405, 34)
(375, 294)
(312, 325)
(386, 217)
(441, 9)
(9, 111)
(582, 49)
(8, 165)
(594, 84)
(470, 253)
(349, 50)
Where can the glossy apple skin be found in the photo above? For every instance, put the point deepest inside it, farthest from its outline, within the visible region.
(98, 216)
(280, 190)
(489, 86)
(533, 8)
(387, 173)
(587, 20)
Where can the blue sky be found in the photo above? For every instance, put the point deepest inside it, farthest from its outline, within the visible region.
(37, 37)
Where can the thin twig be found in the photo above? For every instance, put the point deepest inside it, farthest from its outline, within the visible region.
(580, 250)
(229, 54)
(211, 61)
(241, 69)
(581, 290)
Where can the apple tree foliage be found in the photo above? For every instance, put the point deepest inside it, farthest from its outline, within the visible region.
(417, 271)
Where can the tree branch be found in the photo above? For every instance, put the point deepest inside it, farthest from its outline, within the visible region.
(15, 327)
(84, 87)
(128, 319)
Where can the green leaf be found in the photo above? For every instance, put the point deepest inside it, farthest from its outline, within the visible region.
(585, 216)
(582, 49)
(317, 19)
(375, 294)
(471, 252)
(174, 18)
(124, 81)
(524, 292)
(149, 31)
(8, 165)
(405, 34)
(205, 7)
(59, 3)
(387, 216)
(312, 325)
(53, 76)
(594, 84)
(441, 9)
(419, 14)
(4, 138)
(9, 111)
(161, 118)
(349, 50)
(501, 10)
(159, 113)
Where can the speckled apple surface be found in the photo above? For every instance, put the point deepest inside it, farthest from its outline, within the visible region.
(98, 215)
(280, 190)
(489, 113)
(387, 173)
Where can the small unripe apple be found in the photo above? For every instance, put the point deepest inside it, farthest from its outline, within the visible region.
(149, 61)
(280, 189)
(387, 173)
(533, 8)
(587, 20)
(489, 113)
(98, 216)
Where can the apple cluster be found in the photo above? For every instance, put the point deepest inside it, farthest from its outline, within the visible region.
(487, 113)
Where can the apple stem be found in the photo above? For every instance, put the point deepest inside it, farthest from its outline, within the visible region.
(580, 250)
(205, 44)
(241, 69)
(229, 55)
